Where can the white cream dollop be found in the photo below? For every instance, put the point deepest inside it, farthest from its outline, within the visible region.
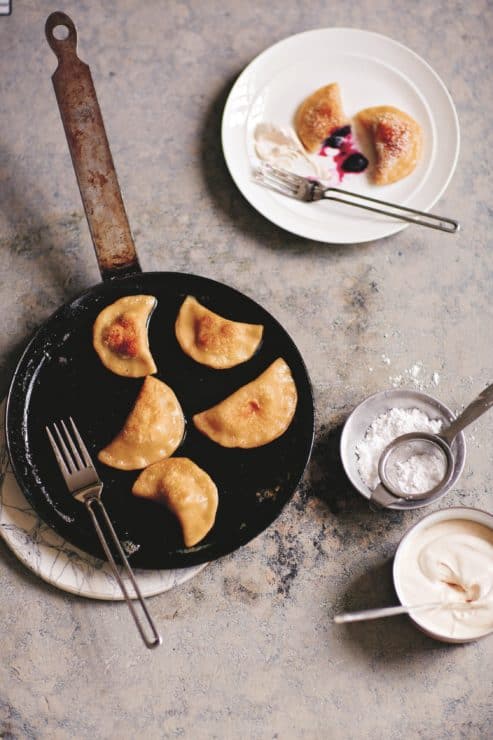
(450, 562)
(280, 146)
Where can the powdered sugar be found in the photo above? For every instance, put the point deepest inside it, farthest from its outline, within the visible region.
(382, 431)
(418, 473)
(417, 375)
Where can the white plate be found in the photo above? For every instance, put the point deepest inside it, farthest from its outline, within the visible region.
(58, 562)
(371, 70)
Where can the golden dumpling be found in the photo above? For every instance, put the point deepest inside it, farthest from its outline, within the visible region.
(120, 336)
(213, 340)
(254, 415)
(153, 430)
(187, 490)
(319, 116)
(397, 140)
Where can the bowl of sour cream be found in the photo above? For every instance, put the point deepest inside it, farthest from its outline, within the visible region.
(447, 559)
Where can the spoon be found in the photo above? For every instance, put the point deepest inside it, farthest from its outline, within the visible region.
(437, 445)
(392, 611)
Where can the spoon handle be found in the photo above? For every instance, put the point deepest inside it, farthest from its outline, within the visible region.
(477, 408)
(387, 611)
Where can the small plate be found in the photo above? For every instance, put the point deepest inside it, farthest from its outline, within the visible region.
(368, 410)
(372, 70)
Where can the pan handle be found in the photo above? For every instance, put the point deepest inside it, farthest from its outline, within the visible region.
(91, 155)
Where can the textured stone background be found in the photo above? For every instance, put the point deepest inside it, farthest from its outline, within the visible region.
(249, 650)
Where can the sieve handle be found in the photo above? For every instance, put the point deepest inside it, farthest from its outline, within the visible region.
(91, 155)
(477, 408)
(381, 498)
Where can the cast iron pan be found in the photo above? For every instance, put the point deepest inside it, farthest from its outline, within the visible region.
(61, 375)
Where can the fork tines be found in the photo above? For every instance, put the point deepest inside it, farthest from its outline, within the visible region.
(284, 182)
(282, 174)
(75, 459)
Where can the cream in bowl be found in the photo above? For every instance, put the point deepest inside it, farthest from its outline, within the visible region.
(447, 559)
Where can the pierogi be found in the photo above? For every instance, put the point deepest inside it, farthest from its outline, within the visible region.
(187, 490)
(396, 139)
(120, 336)
(319, 115)
(153, 430)
(213, 340)
(255, 414)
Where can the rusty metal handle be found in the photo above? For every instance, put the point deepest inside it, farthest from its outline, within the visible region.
(91, 155)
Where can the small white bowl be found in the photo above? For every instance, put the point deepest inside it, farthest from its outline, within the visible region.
(457, 512)
(367, 411)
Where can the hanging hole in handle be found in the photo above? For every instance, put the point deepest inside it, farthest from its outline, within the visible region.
(60, 32)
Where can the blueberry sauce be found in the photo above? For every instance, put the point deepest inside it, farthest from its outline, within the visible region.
(337, 137)
(348, 158)
(356, 162)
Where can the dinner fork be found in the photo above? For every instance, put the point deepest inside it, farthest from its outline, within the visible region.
(309, 190)
(84, 484)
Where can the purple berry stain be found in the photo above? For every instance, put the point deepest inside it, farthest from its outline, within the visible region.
(348, 159)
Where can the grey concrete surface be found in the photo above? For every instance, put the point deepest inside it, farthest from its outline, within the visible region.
(249, 650)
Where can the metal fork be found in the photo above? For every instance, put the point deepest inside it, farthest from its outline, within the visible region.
(309, 190)
(84, 484)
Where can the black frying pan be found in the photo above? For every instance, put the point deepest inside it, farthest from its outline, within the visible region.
(60, 374)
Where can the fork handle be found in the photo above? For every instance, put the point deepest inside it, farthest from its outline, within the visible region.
(411, 215)
(91, 502)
